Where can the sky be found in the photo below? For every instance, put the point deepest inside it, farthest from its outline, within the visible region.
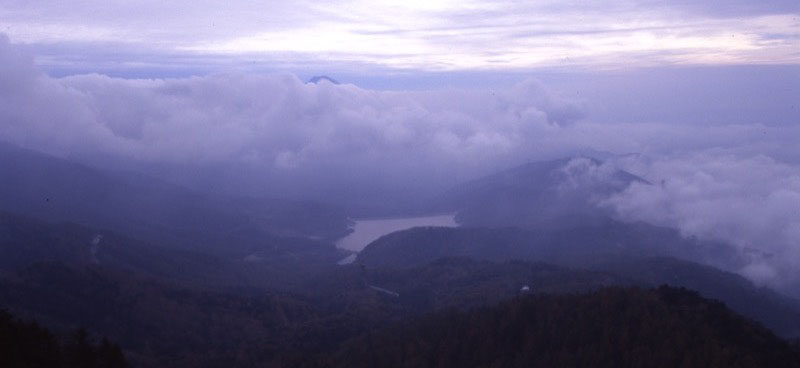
(182, 37)
(701, 97)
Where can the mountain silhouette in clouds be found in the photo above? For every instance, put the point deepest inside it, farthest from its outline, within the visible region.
(536, 193)
(319, 78)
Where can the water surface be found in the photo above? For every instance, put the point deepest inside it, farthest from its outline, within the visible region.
(367, 230)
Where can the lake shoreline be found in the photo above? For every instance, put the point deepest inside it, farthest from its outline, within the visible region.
(367, 230)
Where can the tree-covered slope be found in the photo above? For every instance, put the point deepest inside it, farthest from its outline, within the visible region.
(639, 252)
(146, 208)
(613, 327)
(272, 262)
(571, 245)
(30, 345)
(545, 193)
(161, 324)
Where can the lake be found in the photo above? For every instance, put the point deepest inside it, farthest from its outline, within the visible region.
(366, 231)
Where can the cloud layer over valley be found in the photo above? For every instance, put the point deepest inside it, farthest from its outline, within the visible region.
(751, 202)
(274, 134)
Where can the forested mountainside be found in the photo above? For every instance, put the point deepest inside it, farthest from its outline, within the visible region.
(179, 308)
(458, 282)
(577, 245)
(547, 193)
(158, 325)
(29, 345)
(613, 327)
(254, 290)
(637, 252)
(271, 262)
(161, 324)
(146, 208)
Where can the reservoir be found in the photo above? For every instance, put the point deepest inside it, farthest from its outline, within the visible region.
(366, 231)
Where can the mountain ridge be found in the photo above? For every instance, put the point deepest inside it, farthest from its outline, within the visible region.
(539, 193)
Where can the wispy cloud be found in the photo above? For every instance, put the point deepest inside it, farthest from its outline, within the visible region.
(422, 35)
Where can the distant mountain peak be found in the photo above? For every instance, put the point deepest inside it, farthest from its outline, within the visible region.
(318, 78)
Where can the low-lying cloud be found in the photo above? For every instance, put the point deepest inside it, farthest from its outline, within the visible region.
(751, 202)
(275, 124)
(276, 135)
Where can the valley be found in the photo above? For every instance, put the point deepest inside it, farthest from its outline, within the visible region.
(270, 294)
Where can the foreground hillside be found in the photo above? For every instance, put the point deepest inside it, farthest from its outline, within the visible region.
(613, 327)
(176, 308)
(158, 325)
(165, 325)
(27, 344)
(638, 252)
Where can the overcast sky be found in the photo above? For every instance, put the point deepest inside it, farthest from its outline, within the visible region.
(197, 36)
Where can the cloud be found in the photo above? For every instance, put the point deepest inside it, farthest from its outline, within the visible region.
(38, 111)
(273, 134)
(431, 36)
(730, 8)
(274, 124)
(752, 202)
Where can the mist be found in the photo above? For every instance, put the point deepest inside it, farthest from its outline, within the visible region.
(275, 135)
(752, 202)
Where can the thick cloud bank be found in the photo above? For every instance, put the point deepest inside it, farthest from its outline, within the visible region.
(740, 183)
(271, 122)
(750, 202)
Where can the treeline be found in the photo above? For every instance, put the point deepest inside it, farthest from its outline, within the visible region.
(613, 327)
(27, 344)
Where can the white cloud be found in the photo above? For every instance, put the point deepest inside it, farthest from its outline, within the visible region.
(752, 202)
(437, 35)
(275, 120)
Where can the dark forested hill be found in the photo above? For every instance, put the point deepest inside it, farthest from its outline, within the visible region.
(667, 327)
(163, 324)
(774, 310)
(570, 245)
(29, 345)
(635, 251)
(25, 241)
(159, 324)
(271, 261)
(454, 282)
(54, 189)
(359, 299)
(547, 193)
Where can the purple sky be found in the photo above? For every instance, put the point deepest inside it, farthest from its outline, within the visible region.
(341, 36)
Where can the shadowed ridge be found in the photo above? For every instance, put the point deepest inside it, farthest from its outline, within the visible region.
(319, 78)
